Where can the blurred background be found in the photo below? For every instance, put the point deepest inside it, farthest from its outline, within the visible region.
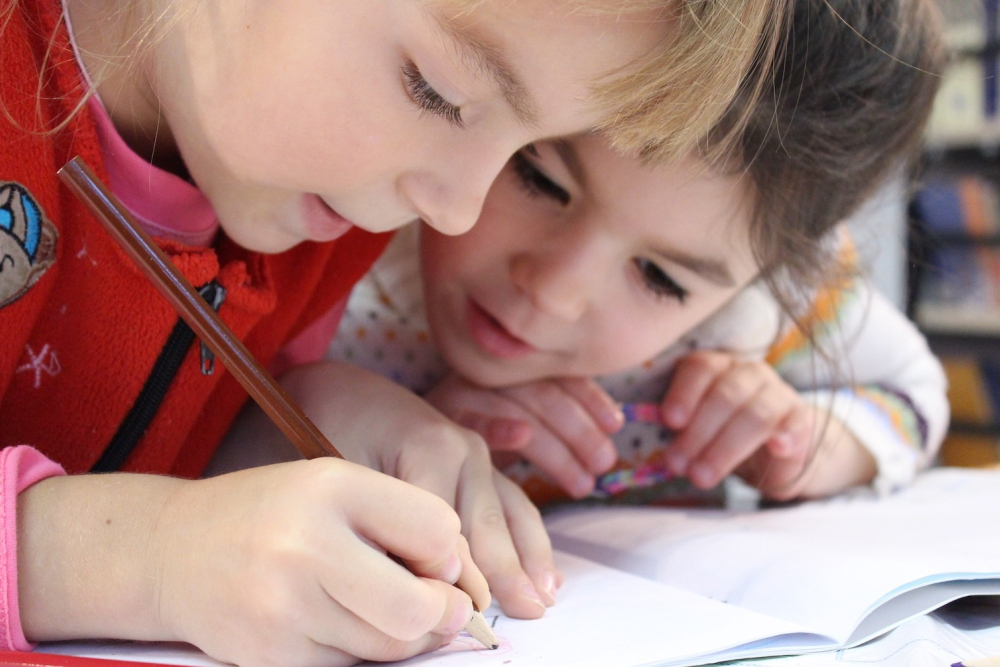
(934, 248)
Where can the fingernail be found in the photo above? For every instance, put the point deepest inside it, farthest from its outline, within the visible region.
(612, 419)
(460, 618)
(605, 458)
(702, 475)
(583, 485)
(676, 462)
(452, 569)
(675, 415)
(549, 588)
(528, 591)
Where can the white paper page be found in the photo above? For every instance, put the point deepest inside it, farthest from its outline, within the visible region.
(958, 632)
(823, 565)
(605, 617)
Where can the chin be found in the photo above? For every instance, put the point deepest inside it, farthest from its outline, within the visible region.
(492, 374)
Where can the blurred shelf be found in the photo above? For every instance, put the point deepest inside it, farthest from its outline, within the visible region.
(948, 320)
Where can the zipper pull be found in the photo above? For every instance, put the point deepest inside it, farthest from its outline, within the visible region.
(214, 294)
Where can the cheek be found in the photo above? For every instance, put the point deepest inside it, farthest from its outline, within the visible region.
(634, 332)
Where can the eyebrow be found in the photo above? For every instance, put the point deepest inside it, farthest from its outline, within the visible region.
(712, 270)
(488, 58)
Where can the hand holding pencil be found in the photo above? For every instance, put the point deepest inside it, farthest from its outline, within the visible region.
(401, 518)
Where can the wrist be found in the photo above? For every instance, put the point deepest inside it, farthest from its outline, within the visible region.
(91, 553)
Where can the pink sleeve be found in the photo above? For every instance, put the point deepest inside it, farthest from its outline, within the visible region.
(20, 467)
(311, 344)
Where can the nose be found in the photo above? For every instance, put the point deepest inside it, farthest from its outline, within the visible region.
(449, 196)
(560, 278)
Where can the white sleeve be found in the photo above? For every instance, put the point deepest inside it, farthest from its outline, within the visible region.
(875, 372)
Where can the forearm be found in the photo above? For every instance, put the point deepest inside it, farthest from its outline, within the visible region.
(89, 554)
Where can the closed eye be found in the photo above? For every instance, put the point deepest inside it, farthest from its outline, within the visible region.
(427, 99)
(657, 281)
(535, 181)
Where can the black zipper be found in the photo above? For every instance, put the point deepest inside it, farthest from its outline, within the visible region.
(147, 403)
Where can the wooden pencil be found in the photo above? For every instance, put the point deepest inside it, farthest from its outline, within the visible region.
(992, 661)
(481, 631)
(205, 322)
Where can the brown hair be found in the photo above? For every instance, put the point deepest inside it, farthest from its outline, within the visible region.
(852, 86)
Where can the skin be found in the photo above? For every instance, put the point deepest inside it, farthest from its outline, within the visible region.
(270, 104)
(299, 120)
(556, 284)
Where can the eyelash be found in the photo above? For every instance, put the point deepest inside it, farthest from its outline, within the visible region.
(655, 279)
(658, 282)
(427, 99)
(535, 182)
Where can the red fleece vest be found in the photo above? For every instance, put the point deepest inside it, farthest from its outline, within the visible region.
(80, 327)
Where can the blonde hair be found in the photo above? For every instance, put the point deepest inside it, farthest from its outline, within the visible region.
(664, 103)
(676, 95)
(661, 106)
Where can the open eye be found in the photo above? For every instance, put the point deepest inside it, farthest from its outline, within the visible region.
(426, 98)
(658, 282)
(536, 182)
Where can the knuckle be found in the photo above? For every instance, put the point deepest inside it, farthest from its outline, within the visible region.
(492, 517)
(728, 393)
(760, 415)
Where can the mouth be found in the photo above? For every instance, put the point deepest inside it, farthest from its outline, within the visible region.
(322, 222)
(493, 337)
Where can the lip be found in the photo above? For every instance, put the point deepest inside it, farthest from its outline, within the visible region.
(492, 336)
(322, 222)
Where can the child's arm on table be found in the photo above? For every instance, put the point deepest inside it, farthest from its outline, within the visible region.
(283, 564)
(386, 427)
(732, 415)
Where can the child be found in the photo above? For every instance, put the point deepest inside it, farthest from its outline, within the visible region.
(587, 264)
(251, 139)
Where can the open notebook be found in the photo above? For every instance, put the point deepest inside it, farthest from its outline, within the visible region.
(654, 586)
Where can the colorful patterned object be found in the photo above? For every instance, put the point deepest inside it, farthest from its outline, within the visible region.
(644, 476)
(646, 413)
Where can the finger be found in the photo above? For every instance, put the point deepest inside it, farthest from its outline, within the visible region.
(502, 434)
(746, 431)
(568, 421)
(507, 435)
(719, 404)
(530, 538)
(485, 524)
(789, 474)
(781, 477)
(794, 435)
(471, 580)
(411, 524)
(551, 456)
(693, 376)
(332, 628)
(598, 403)
(384, 594)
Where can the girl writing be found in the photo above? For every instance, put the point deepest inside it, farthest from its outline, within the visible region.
(262, 143)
